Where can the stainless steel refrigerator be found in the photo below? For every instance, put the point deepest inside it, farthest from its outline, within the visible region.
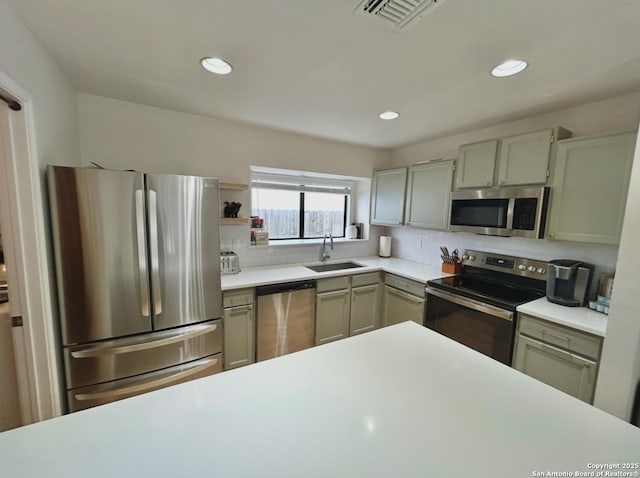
(138, 279)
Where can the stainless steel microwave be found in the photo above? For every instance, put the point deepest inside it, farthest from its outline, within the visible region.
(509, 212)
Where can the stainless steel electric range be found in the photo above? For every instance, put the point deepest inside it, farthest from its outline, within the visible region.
(478, 307)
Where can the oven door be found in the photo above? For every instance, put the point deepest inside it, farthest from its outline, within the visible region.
(482, 327)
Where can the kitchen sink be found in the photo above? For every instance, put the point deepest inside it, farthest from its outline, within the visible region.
(336, 266)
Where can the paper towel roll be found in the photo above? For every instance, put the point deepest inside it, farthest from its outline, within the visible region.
(385, 246)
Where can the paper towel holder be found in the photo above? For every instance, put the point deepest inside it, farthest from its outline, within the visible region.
(385, 246)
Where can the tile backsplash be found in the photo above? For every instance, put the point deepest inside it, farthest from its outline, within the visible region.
(421, 245)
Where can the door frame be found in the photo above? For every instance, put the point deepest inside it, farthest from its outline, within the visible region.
(24, 192)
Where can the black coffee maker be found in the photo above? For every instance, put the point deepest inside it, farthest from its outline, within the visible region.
(568, 282)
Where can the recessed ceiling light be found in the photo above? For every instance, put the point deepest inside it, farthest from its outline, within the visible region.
(508, 68)
(388, 115)
(216, 65)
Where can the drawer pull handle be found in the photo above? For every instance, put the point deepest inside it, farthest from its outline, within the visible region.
(544, 332)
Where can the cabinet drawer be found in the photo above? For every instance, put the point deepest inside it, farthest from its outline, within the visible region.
(335, 283)
(564, 337)
(407, 285)
(365, 279)
(233, 298)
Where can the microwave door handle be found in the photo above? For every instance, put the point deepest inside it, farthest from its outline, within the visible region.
(155, 262)
(143, 278)
(510, 212)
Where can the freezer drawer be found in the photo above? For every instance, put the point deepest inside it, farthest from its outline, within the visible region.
(87, 397)
(116, 359)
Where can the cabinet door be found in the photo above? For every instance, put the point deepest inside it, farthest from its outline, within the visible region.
(332, 316)
(524, 159)
(429, 194)
(400, 307)
(364, 309)
(476, 164)
(563, 370)
(239, 333)
(387, 196)
(590, 184)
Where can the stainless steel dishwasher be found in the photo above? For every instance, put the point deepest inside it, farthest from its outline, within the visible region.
(286, 318)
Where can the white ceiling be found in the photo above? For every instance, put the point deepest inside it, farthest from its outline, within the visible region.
(316, 67)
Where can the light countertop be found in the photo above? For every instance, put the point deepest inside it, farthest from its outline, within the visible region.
(401, 401)
(580, 318)
(256, 276)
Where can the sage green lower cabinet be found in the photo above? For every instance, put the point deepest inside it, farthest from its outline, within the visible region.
(347, 305)
(404, 300)
(564, 358)
(365, 309)
(590, 185)
(239, 329)
(332, 309)
(332, 316)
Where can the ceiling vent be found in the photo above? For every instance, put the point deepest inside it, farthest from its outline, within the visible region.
(397, 14)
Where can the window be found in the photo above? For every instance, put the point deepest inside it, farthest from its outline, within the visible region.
(300, 207)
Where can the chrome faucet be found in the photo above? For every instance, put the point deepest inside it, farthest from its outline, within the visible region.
(324, 254)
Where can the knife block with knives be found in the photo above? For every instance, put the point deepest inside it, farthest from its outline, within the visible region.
(450, 262)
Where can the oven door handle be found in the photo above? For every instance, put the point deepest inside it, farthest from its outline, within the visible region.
(472, 304)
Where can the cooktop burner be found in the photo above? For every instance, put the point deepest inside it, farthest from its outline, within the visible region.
(495, 293)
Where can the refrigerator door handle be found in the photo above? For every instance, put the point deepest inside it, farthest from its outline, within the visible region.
(146, 385)
(172, 338)
(142, 254)
(155, 262)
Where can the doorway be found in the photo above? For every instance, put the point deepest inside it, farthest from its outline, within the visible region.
(24, 244)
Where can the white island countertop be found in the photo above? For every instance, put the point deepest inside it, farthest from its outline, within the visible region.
(402, 401)
(257, 276)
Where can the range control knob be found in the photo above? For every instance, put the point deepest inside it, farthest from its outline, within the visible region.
(541, 270)
(465, 257)
(531, 268)
(522, 267)
(472, 258)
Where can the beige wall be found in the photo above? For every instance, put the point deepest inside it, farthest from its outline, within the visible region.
(53, 97)
(122, 135)
(118, 134)
(611, 115)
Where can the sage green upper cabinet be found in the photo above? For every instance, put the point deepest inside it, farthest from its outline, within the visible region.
(524, 159)
(476, 164)
(428, 194)
(590, 184)
(387, 196)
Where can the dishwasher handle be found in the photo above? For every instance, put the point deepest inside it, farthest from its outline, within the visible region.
(285, 287)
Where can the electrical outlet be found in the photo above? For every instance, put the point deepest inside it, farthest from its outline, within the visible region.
(419, 242)
(235, 243)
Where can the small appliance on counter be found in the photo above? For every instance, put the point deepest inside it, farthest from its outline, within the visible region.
(229, 262)
(351, 232)
(568, 282)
